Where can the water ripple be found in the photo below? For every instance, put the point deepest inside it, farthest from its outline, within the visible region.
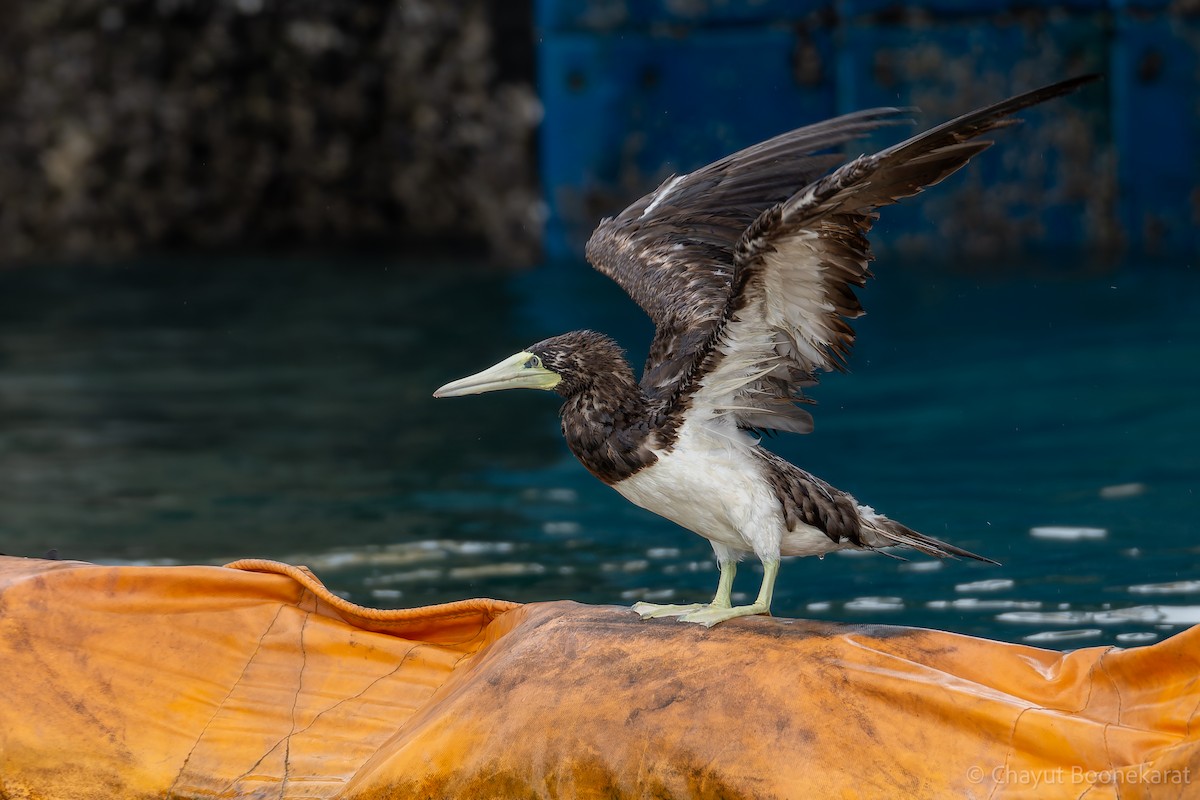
(875, 604)
(1053, 637)
(1163, 615)
(992, 585)
(1067, 533)
(1173, 587)
(976, 604)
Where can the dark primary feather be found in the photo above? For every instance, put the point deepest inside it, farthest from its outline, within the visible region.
(700, 253)
(819, 236)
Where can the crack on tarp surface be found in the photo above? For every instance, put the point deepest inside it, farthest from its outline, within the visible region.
(1108, 725)
(285, 740)
(1012, 738)
(1187, 727)
(287, 747)
(221, 706)
(354, 776)
(469, 653)
(1196, 708)
(359, 694)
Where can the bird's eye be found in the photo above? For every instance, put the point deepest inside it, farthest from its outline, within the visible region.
(533, 363)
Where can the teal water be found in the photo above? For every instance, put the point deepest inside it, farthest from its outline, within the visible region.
(187, 412)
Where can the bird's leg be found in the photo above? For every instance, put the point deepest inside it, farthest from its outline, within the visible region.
(711, 615)
(720, 599)
(725, 585)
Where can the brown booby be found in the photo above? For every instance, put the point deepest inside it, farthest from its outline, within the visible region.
(746, 266)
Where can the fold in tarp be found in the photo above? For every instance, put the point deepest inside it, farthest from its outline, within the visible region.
(131, 682)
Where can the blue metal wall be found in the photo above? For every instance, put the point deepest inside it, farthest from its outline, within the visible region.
(637, 90)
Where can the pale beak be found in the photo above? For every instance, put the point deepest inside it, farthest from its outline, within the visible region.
(521, 371)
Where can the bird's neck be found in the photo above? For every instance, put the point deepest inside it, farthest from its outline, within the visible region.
(607, 425)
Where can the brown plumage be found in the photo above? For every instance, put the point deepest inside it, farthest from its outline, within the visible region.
(606, 418)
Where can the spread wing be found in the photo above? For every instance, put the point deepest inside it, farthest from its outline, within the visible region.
(745, 320)
(672, 251)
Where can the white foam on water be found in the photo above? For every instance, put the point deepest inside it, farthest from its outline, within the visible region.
(1174, 587)
(875, 604)
(1120, 491)
(1043, 617)
(1137, 637)
(651, 595)
(336, 561)
(1067, 533)
(921, 566)
(636, 565)
(1062, 636)
(820, 605)
(977, 604)
(427, 575)
(145, 562)
(662, 552)
(561, 495)
(395, 555)
(1169, 615)
(479, 548)
(503, 569)
(690, 566)
(992, 585)
(387, 594)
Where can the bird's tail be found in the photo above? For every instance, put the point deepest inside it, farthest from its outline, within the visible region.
(888, 532)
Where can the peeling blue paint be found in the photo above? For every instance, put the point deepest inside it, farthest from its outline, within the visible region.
(635, 91)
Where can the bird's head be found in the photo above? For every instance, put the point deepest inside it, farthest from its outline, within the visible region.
(568, 364)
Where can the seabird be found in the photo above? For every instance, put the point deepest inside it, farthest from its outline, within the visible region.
(746, 266)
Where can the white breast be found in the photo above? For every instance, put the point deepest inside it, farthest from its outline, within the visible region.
(711, 484)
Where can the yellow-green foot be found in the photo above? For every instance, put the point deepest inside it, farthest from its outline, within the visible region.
(711, 615)
(653, 610)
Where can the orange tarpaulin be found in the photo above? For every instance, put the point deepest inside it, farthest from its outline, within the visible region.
(127, 682)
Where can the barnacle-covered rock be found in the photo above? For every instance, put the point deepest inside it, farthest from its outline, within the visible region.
(145, 124)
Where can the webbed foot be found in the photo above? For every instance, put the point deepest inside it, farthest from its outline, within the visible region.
(654, 610)
(711, 615)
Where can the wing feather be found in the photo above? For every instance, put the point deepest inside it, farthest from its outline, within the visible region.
(796, 266)
(672, 250)
(747, 266)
